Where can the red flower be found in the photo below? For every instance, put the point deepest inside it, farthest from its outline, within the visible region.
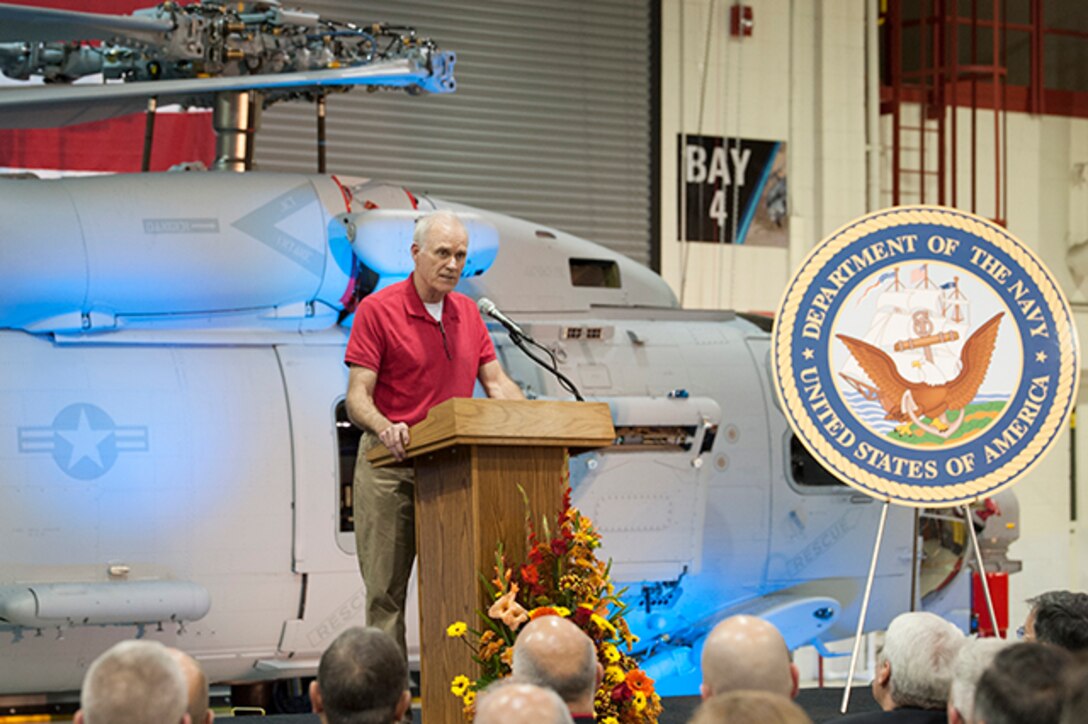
(537, 553)
(559, 547)
(582, 616)
(530, 575)
(621, 693)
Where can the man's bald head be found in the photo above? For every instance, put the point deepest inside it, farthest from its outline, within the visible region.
(746, 652)
(134, 682)
(553, 652)
(512, 702)
(197, 684)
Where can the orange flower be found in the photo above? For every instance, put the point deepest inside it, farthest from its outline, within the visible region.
(490, 649)
(638, 681)
(509, 610)
(542, 611)
(501, 579)
(625, 633)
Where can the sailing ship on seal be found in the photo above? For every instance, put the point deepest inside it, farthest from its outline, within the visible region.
(917, 360)
(921, 325)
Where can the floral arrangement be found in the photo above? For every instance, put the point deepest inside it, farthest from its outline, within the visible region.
(562, 576)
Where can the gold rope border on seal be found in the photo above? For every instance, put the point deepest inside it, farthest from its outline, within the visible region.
(870, 483)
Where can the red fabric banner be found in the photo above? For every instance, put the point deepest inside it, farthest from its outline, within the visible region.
(114, 145)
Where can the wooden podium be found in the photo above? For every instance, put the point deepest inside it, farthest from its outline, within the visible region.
(473, 458)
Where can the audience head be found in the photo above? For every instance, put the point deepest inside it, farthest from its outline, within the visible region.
(197, 685)
(553, 652)
(746, 652)
(1075, 708)
(974, 657)
(914, 668)
(134, 682)
(749, 707)
(1059, 618)
(512, 702)
(1023, 685)
(362, 679)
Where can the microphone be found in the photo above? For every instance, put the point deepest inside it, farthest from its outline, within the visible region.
(519, 338)
(486, 306)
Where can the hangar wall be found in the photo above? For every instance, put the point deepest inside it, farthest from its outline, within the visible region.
(1048, 211)
(551, 121)
(800, 78)
(797, 79)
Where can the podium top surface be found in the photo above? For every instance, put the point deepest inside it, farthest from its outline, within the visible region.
(475, 421)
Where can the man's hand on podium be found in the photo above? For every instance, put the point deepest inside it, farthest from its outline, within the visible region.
(395, 437)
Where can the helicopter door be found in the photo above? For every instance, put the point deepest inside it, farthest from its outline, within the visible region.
(323, 549)
(315, 379)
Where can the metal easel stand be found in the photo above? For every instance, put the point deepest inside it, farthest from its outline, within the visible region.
(865, 605)
(981, 569)
(869, 590)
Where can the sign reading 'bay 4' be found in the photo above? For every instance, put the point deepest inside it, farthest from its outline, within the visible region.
(925, 356)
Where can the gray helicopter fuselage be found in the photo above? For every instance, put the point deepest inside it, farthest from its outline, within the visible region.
(173, 440)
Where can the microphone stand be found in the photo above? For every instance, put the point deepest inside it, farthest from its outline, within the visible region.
(564, 381)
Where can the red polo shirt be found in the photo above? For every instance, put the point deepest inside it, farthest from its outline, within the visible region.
(419, 362)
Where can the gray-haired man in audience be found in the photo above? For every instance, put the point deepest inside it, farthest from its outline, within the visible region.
(553, 652)
(134, 682)
(747, 653)
(512, 702)
(974, 658)
(362, 679)
(197, 684)
(914, 671)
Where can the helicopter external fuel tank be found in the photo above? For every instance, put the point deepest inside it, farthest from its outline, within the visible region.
(211, 247)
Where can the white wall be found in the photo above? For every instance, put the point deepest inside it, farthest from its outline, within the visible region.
(1047, 209)
(796, 80)
(801, 78)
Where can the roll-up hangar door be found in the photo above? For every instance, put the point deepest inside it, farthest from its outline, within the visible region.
(552, 120)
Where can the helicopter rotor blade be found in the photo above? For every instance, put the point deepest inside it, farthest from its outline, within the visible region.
(55, 105)
(29, 24)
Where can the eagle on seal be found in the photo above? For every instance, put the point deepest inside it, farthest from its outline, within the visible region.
(906, 401)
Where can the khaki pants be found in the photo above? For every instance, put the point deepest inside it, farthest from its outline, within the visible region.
(385, 539)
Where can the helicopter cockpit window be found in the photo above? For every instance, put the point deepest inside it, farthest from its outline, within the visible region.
(347, 443)
(806, 471)
(601, 273)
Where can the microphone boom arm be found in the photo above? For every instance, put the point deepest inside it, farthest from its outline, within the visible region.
(564, 381)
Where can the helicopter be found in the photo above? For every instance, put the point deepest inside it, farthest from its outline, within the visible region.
(177, 460)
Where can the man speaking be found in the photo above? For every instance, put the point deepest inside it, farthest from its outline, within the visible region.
(413, 345)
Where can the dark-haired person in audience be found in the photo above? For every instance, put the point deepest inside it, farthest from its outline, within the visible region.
(749, 707)
(1023, 685)
(362, 679)
(746, 652)
(914, 671)
(1075, 708)
(1059, 618)
(197, 685)
(975, 657)
(551, 651)
(509, 701)
(133, 682)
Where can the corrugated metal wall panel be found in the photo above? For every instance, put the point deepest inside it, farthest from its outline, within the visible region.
(551, 120)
